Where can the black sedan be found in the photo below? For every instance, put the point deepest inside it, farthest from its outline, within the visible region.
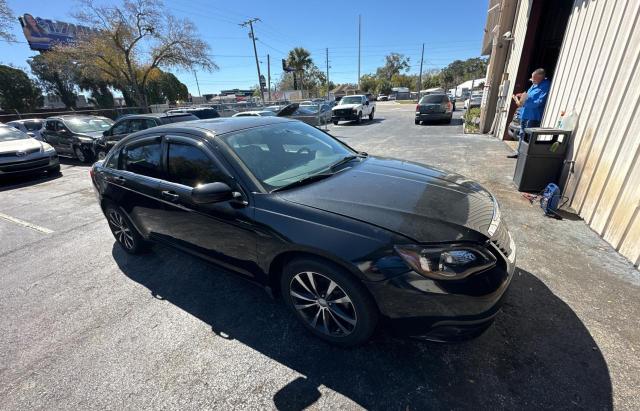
(347, 240)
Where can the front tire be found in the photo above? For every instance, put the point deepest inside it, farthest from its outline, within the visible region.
(359, 120)
(371, 114)
(124, 232)
(81, 154)
(335, 123)
(329, 301)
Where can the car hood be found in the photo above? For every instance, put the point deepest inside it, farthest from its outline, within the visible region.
(414, 200)
(341, 106)
(19, 145)
(92, 134)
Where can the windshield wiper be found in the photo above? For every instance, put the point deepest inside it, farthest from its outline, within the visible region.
(303, 181)
(344, 161)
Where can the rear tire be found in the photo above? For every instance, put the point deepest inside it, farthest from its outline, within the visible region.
(126, 235)
(417, 122)
(373, 110)
(335, 123)
(329, 301)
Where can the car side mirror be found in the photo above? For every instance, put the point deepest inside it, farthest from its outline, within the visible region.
(366, 103)
(211, 193)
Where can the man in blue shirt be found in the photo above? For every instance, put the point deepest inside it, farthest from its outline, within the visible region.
(531, 104)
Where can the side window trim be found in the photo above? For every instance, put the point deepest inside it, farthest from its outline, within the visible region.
(193, 141)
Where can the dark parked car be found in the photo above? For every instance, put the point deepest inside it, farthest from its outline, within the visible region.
(200, 112)
(345, 239)
(23, 154)
(434, 107)
(131, 124)
(73, 135)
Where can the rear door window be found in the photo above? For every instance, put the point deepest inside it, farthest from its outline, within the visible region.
(191, 166)
(120, 128)
(143, 158)
(50, 125)
(434, 99)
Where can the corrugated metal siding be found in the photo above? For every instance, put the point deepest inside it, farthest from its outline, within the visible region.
(513, 61)
(598, 76)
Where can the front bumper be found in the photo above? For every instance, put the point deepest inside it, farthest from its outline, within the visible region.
(344, 116)
(444, 311)
(29, 165)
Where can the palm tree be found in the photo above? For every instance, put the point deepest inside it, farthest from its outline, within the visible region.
(300, 59)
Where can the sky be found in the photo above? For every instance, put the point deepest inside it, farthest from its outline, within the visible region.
(450, 30)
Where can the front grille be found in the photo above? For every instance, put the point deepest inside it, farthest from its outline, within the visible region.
(15, 153)
(343, 112)
(24, 165)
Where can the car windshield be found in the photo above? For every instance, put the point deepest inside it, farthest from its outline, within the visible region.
(351, 100)
(88, 124)
(33, 125)
(281, 154)
(10, 134)
(432, 99)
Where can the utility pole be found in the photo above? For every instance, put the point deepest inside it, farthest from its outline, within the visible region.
(269, 75)
(197, 84)
(359, 39)
(420, 78)
(327, 58)
(255, 51)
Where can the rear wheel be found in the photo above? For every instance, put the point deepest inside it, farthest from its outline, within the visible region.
(417, 122)
(124, 232)
(371, 114)
(335, 123)
(329, 302)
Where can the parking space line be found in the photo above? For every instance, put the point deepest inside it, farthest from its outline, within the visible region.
(25, 224)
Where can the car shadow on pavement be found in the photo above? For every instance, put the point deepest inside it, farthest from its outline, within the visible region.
(454, 122)
(537, 355)
(367, 122)
(12, 183)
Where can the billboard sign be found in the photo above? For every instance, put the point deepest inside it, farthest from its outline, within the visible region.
(43, 34)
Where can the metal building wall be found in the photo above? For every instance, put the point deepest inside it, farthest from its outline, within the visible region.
(598, 76)
(513, 61)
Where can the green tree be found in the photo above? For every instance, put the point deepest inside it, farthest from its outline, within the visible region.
(6, 21)
(131, 41)
(404, 80)
(18, 91)
(368, 83)
(165, 87)
(384, 86)
(395, 63)
(56, 76)
(299, 58)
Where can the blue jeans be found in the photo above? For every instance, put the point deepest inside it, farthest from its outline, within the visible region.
(525, 124)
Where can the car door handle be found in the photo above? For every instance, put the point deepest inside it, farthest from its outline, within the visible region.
(170, 195)
(119, 180)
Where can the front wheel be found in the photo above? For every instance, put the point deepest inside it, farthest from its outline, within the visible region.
(101, 155)
(417, 122)
(335, 123)
(81, 154)
(329, 302)
(371, 114)
(359, 121)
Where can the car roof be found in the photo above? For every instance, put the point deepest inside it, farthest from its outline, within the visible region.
(24, 120)
(153, 115)
(69, 116)
(217, 126)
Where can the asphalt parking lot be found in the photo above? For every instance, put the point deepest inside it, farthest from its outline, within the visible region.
(85, 325)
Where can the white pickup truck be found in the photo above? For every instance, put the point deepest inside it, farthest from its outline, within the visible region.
(353, 108)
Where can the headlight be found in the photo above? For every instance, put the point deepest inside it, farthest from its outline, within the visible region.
(447, 262)
(47, 148)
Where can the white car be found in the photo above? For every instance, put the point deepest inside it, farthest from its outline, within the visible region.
(353, 108)
(22, 154)
(261, 113)
(474, 101)
(31, 126)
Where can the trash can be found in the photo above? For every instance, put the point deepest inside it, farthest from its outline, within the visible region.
(540, 158)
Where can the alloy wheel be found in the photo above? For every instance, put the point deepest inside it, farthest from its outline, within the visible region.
(80, 154)
(323, 304)
(120, 229)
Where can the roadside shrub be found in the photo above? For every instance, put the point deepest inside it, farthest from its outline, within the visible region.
(472, 120)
